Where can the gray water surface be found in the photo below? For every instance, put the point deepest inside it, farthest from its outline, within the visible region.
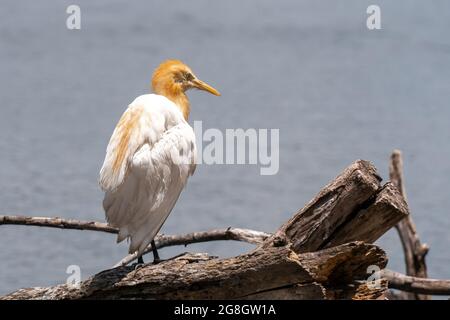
(337, 91)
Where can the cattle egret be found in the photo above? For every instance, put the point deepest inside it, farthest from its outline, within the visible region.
(150, 156)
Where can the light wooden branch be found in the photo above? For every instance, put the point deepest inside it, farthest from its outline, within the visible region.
(237, 234)
(57, 222)
(416, 285)
(161, 240)
(355, 201)
(413, 249)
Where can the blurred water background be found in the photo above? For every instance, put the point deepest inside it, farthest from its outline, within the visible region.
(336, 90)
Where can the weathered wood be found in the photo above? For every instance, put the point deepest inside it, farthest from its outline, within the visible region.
(306, 291)
(416, 285)
(317, 254)
(312, 227)
(371, 223)
(161, 240)
(354, 206)
(237, 234)
(358, 290)
(413, 249)
(202, 277)
(56, 222)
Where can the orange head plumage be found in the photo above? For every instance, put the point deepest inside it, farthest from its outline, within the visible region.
(172, 78)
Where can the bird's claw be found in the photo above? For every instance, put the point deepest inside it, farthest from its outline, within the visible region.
(138, 266)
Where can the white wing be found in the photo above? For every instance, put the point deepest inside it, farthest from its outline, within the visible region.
(156, 151)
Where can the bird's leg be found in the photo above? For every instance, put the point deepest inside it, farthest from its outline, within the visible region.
(156, 258)
(140, 263)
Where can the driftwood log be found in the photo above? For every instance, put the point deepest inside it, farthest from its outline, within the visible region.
(277, 272)
(323, 252)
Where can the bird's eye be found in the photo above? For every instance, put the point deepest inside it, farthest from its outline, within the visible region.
(183, 77)
(188, 76)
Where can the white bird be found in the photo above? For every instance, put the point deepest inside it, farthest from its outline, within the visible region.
(150, 156)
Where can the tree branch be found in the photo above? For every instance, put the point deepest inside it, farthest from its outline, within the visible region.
(57, 223)
(413, 249)
(416, 285)
(161, 240)
(237, 234)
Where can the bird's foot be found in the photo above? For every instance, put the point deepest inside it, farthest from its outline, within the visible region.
(156, 261)
(138, 265)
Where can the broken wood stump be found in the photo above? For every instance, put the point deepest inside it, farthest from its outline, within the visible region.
(323, 252)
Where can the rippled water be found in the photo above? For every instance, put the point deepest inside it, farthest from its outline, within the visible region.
(336, 91)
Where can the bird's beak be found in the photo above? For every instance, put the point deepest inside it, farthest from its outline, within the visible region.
(199, 84)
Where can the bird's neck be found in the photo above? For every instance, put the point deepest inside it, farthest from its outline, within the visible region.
(182, 102)
(176, 96)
